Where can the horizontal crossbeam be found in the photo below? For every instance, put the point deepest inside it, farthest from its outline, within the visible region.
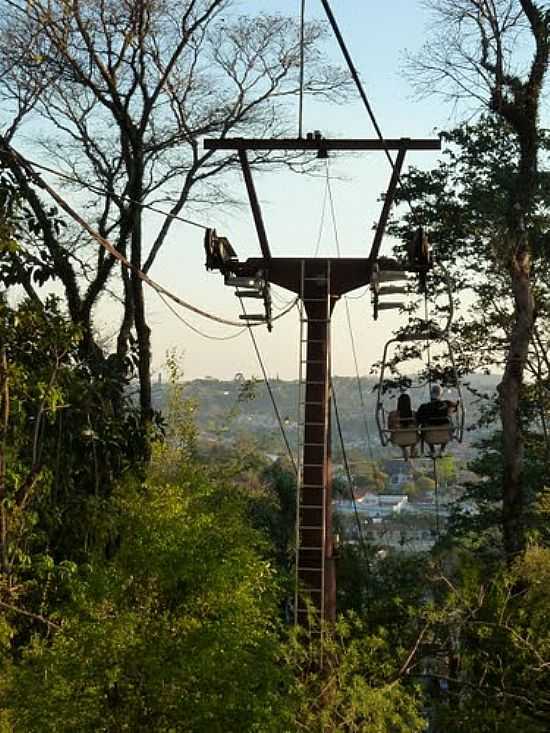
(242, 143)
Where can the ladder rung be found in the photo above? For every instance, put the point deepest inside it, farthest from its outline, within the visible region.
(320, 549)
(310, 402)
(307, 526)
(390, 305)
(385, 276)
(318, 278)
(393, 290)
(314, 424)
(244, 282)
(311, 506)
(314, 445)
(248, 294)
(313, 465)
(314, 570)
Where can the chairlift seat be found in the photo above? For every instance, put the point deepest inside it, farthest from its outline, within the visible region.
(438, 434)
(404, 437)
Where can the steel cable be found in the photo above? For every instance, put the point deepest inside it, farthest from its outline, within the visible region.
(109, 247)
(364, 98)
(348, 472)
(270, 392)
(350, 328)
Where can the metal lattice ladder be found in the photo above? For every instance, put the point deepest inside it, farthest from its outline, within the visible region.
(313, 438)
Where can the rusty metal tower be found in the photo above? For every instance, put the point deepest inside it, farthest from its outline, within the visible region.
(319, 283)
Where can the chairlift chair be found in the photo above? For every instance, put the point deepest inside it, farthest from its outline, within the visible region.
(431, 434)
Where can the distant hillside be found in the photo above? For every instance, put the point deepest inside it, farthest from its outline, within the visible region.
(230, 409)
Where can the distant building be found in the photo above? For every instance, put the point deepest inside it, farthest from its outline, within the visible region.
(373, 506)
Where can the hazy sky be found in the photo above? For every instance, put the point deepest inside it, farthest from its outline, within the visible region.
(377, 35)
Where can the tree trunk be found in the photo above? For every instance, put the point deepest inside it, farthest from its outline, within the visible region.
(127, 319)
(143, 332)
(510, 395)
(4, 423)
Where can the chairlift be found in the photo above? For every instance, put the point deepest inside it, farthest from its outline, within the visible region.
(442, 430)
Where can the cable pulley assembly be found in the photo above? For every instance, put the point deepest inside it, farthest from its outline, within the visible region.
(221, 256)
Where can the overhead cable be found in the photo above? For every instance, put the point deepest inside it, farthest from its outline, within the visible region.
(348, 472)
(354, 74)
(350, 329)
(363, 95)
(270, 392)
(323, 212)
(103, 192)
(302, 45)
(198, 331)
(436, 497)
(107, 245)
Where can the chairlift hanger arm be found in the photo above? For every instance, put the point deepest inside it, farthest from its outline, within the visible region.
(254, 205)
(388, 201)
(317, 144)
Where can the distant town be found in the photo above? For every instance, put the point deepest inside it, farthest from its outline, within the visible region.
(399, 504)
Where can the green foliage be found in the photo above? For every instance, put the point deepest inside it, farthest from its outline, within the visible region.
(410, 489)
(424, 483)
(350, 682)
(8, 204)
(446, 469)
(480, 529)
(180, 430)
(19, 263)
(273, 510)
(176, 633)
(70, 433)
(367, 473)
(496, 637)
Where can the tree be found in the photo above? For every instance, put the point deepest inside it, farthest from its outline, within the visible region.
(61, 446)
(495, 644)
(471, 58)
(124, 92)
(463, 202)
(356, 687)
(178, 631)
(424, 483)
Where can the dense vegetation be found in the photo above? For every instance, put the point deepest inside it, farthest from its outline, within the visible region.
(155, 597)
(146, 577)
(163, 608)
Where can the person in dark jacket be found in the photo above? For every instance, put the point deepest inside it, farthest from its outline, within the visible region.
(436, 413)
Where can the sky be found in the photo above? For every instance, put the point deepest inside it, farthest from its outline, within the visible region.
(377, 35)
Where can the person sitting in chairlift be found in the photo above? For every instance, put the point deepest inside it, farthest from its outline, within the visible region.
(402, 424)
(436, 414)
